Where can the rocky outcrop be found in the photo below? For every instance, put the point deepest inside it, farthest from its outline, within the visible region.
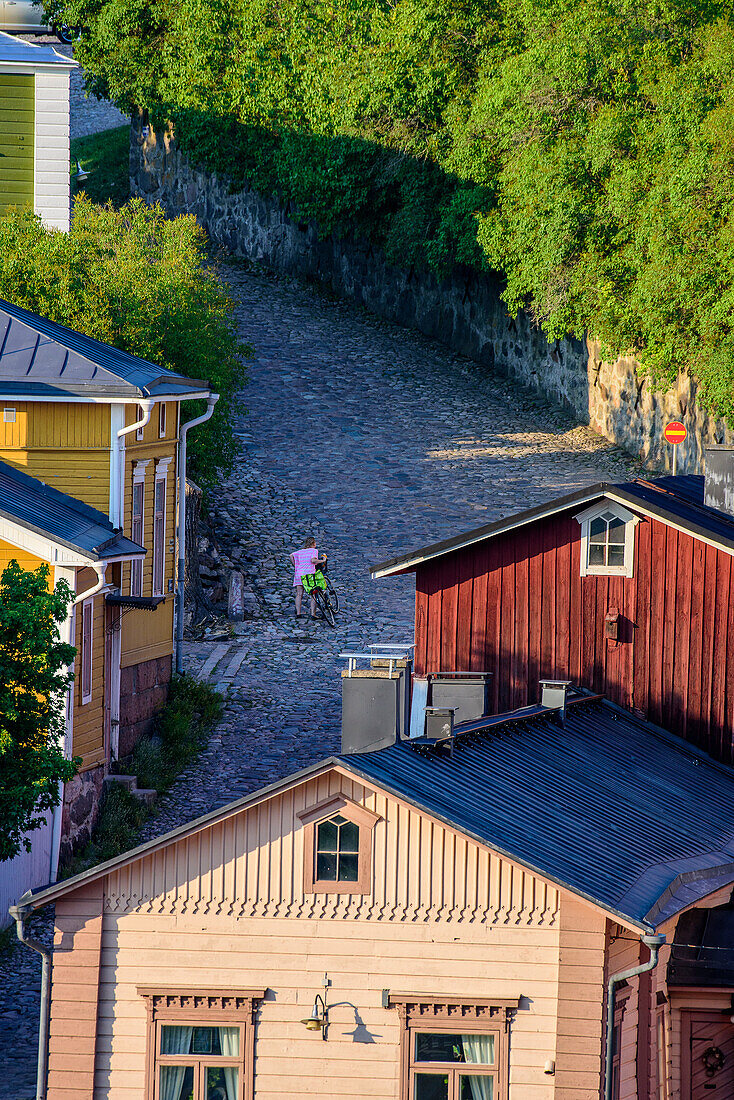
(464, 310)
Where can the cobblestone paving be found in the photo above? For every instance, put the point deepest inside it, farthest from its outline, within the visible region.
(88, 115)
(375, 441)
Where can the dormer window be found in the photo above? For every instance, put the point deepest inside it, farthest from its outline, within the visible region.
(607, 540)
(337, 847)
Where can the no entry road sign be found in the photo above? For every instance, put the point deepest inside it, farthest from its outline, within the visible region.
(675, 432)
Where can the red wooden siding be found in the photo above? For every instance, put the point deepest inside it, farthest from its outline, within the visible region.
(517, 606)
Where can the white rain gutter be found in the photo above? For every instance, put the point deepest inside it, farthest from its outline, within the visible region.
(118, 480)
(654, 942)
(210, 403)
(99, 568)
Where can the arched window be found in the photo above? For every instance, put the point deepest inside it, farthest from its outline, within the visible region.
(607, 540)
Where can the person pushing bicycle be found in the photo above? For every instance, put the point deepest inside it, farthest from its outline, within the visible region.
(305, 562)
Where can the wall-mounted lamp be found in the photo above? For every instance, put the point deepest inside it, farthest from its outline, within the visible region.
(319, 1018)
(549, 1067)
(80, 175)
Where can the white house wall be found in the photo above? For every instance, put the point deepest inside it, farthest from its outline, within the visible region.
(52, 193)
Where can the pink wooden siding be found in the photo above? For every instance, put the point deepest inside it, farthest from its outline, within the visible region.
(518, 607)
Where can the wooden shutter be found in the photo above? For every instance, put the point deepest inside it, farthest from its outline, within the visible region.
(17, 140)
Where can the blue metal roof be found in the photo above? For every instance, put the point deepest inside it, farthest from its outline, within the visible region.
(40, 358)
(615, 809)
(67, 521)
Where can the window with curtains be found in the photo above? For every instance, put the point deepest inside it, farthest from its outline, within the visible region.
(159, 536)
(454, 1049)
(200, 1044)
(136, 568)
(448, 1066)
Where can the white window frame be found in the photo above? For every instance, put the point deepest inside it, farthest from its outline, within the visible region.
(87, 648)
(629, 520)
(159, 545)
(140, 432)
(162, 420)
(9, 416)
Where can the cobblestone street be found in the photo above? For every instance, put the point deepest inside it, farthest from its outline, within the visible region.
(375, 441)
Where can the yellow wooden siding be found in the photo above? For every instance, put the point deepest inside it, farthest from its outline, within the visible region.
(8, 553)
(226, 909)
(149, 634)
(151, 431)
(88, 720)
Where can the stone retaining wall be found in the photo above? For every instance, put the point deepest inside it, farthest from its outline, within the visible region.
(464, 311)
(143, 692)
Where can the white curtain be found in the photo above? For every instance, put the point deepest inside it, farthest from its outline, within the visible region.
(174, 1040)
(479, 1049)
(229, 1041)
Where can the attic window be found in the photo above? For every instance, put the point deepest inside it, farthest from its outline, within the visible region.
(8, 416)
(337, 847)
(607, 540)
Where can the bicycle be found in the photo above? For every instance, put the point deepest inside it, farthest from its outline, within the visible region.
(318, 585)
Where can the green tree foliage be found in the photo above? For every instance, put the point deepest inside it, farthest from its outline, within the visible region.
(34, 675)
(585, 149)
(140, 281)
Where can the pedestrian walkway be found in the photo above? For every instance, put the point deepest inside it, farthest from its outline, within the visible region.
(374, 440)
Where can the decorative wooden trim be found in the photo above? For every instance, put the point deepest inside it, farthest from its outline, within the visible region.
(364, 818)
(439, 1013)
(202, 1006)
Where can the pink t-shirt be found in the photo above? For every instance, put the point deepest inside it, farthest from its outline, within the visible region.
(305, 563)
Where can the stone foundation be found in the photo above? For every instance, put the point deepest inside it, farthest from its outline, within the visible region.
(463, 311)
(80, 810)
(143, 691)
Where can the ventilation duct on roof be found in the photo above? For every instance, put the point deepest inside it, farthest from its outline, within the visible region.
(376, 699)
(718, 489)
(554, 695)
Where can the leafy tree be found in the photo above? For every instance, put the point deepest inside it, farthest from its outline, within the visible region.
(140, 281)
(34, 675)
(585, 150)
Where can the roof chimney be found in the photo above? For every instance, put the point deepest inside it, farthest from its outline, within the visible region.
(718, 490)
(553, 694)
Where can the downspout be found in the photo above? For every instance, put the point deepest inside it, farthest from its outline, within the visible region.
(19, 914)
(654, 942)
(147, 406)
(210, 403)
(99, 568)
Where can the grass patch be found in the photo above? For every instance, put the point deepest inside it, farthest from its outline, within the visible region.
(106, 157)
(182, 730)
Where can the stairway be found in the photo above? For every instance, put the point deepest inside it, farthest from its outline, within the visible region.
(130, 782)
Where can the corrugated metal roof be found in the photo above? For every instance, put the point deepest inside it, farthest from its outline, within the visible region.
(16, 51)
(675, 500)
(37, 507)
(40, 358)
(609, 806)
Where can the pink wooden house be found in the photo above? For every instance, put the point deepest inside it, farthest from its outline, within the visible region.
(424, 922)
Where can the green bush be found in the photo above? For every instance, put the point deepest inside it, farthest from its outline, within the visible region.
(585, 150)
(140, 281)
(182, 729)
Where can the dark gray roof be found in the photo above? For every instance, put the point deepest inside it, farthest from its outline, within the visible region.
(67, 521)
(612, 808)
(676, 500)
(617, 810)
(40, 358)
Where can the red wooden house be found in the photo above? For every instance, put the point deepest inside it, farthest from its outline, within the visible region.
(627, 589)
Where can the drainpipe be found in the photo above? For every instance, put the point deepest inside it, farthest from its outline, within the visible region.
(118, 481)
(99, 568)
(210, 403)
(654, 942)
(19, 914)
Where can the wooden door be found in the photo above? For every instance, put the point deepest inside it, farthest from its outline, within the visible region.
(708, 1062)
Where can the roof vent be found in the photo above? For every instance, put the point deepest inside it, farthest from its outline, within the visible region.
(376, 699)
(554, 695)
(718, 489)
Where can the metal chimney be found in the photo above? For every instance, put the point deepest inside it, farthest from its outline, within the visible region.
(554, 695)
(376, 699)
(718, 486)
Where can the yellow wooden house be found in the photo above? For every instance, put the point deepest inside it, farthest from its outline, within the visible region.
(102, 429)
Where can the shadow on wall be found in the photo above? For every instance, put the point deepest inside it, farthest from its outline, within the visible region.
(463, 309)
